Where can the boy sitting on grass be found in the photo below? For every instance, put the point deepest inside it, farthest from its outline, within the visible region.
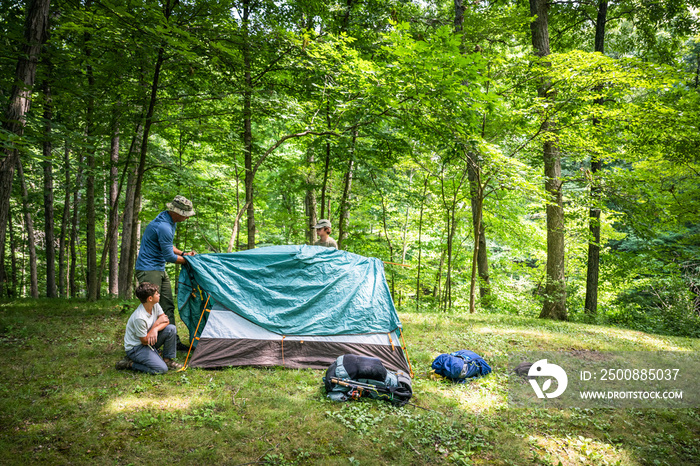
(149, 328)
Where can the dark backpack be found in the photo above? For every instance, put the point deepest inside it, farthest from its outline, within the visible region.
(460, 366)
(352, 377)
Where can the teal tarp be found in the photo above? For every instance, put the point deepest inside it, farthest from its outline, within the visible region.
(291, 290)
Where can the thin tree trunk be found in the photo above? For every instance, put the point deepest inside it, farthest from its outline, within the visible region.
(35, 29)
(344, 202)
(327, 162)
(125, 273)
(31, 243)
(62, 269)
(476, 192)
(113, 237)
(133, 250)
(386, 231)
(591, 303)
(72, 277)
(148, 122)
(310, 200)
(48, 195)
(13, 259)
(555, 292)
(419, 290)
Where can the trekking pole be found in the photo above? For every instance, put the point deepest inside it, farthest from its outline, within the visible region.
(363, 386)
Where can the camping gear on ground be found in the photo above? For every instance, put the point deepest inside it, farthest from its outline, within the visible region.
(352, 377)
(460, 366)
(291, 306)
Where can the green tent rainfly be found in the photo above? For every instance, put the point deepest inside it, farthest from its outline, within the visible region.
(293, 306)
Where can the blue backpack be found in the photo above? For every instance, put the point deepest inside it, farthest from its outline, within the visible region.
(460, 366)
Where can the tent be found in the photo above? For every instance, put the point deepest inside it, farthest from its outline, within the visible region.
(291, 306)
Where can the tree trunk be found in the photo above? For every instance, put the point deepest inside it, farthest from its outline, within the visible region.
(419, 290)
(31, 242)
(48, 195)
(125, 273)
(12, 292)
(72, 277)
(90, 222)
(113, 237)
(555, 292)
(35, 28)
(310, 200)
(476, 191)
(327, 162)
(247, 127)
(148, 122)
(591, 303)
(64, 228)
(344, 202)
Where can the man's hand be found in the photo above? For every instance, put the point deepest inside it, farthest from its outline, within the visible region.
(191, 253)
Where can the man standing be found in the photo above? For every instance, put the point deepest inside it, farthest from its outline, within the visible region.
(323, 228)
(157, 248)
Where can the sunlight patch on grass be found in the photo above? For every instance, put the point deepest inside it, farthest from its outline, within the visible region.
(572, 450)
(133, 404)
(471, 398)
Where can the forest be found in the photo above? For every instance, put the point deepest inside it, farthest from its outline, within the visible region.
(535, 159)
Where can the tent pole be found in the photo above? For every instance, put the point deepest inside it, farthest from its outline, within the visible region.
(184, 366)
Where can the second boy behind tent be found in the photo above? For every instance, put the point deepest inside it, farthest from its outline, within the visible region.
(147, 330)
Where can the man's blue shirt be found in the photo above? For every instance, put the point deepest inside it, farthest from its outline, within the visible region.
(157, 243)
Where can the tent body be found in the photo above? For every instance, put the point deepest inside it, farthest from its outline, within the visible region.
(291, 306)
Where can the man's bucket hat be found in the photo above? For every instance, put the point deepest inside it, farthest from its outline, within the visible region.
(181, 205)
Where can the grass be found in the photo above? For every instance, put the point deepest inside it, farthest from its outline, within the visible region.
(61, 401)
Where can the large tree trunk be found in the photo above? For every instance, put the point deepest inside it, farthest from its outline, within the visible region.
(62, 275)
(247, 127)
(48, 195)
(72, 275)
(591, 304)
(113, 236)
(92, 283)
(35, 28)
(31, 242)
(555, 292)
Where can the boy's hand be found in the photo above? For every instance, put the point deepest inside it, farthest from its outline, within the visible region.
(152, 337)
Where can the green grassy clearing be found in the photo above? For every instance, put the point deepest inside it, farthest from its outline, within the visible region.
(62, 401)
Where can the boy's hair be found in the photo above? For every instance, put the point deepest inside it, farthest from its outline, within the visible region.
(145, 290)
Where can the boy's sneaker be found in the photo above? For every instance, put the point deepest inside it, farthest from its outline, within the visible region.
(125, 363)
(172, 365)
(181, 346)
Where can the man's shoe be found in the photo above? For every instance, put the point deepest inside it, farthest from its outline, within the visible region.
(125, 363)
(172, 365)
(181, 346)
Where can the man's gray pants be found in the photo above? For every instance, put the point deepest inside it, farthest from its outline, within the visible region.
(147, 359)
